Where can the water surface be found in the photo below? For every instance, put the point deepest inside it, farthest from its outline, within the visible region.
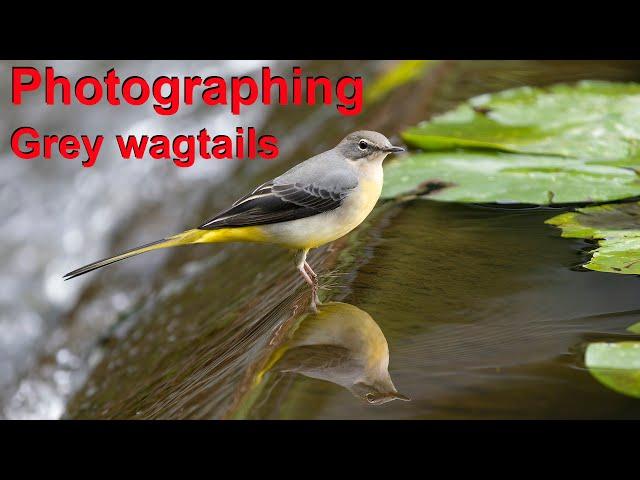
(482, 309)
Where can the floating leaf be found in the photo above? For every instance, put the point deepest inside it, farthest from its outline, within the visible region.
(568, 143)
(635, 328)
(507, 178)
(616, 365)
(617, 227)
(593, 121)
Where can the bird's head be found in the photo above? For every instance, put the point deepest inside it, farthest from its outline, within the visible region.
(378, 392)
(366, 145)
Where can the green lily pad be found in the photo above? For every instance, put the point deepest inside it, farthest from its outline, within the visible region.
(616, 365)
(565, 144)
(463, 176)
(617, 227)
(635, 328)
(592, 121)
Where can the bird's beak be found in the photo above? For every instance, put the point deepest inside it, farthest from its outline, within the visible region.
(399, 396)
(393, 149)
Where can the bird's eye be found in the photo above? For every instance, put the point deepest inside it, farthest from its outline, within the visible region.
(362, 145)
(370, 397)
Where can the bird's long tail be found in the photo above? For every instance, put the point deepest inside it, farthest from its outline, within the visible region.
(184, 238)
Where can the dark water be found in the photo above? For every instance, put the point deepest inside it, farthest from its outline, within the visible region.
(482, 310)
(484, 319)
(483, 316)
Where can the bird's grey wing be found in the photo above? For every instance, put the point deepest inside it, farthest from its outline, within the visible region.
(286, 198)
(313, 358)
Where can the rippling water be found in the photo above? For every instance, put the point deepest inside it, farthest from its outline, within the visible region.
(58, 216)
(480, 308)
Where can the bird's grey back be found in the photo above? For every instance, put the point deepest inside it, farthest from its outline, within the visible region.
(314, 186)
(328, 170)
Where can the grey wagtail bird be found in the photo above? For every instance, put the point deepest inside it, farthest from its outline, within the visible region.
(314, 203)
(340, 344)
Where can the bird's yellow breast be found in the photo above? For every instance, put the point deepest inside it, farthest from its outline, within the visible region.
(314, 231)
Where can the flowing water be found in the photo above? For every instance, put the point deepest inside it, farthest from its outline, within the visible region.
(480, 311)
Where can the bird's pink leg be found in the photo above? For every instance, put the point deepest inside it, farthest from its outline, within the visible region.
(309, 276)
(310, 271)
(316, 284)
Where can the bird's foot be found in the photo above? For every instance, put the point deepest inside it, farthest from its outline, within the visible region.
(313, 305)
(313, 283)
(311, 278)
(315, 299)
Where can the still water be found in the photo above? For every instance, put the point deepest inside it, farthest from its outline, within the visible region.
(468, 311)
(480, 309)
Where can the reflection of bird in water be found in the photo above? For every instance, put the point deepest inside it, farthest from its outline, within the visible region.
(341, 344)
